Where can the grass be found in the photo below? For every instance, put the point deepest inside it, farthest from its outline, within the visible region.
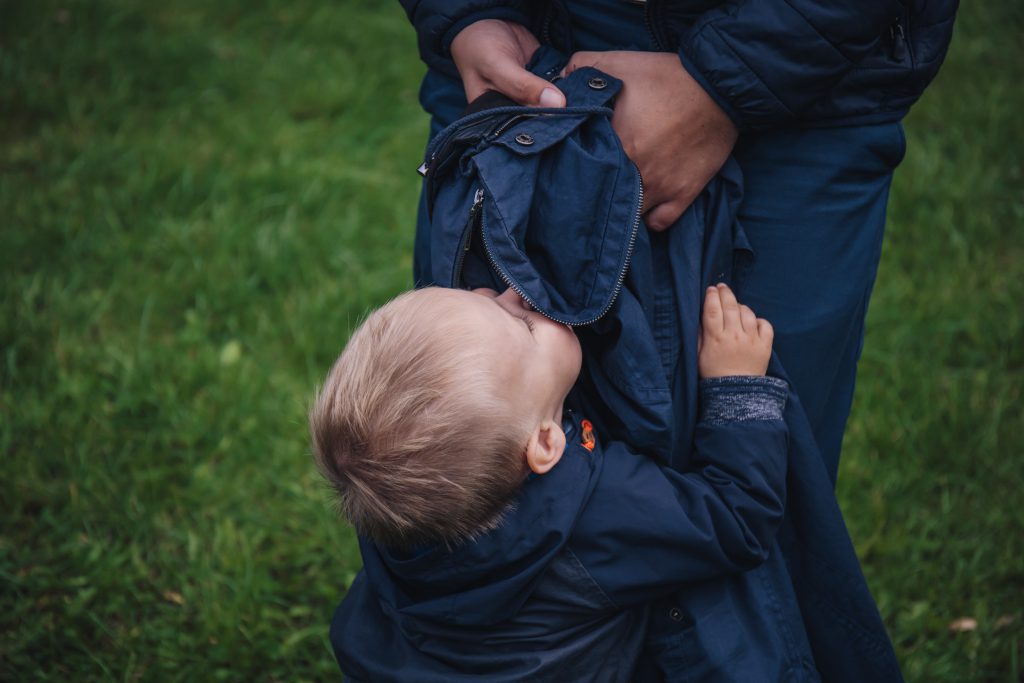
(198, 201)
(931, 476)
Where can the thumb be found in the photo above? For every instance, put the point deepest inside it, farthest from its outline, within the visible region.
(522, 86)
(551, 97)
(663, 216)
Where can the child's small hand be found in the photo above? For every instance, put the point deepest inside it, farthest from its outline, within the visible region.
(733, 340)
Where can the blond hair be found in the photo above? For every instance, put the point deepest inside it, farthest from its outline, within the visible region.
(411, 430)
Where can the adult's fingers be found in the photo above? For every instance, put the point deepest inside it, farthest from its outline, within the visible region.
(512, 80)
(475, 86)
(579, 59)
(664, 215)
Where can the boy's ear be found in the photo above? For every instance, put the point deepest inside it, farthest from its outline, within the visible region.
(545, 447)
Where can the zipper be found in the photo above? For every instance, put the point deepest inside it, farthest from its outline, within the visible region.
(438, 143)
(467, 236)
(545, 30)
(897, 41)
(507, 124)
(424, 168)
(649, 25)
(637, 215)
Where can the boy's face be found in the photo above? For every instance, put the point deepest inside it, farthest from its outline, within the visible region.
(535, 359)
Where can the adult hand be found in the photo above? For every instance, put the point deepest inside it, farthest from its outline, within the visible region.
(669, 126)
(491, 55)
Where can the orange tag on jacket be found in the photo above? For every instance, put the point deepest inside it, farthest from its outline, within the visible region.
(588, 440)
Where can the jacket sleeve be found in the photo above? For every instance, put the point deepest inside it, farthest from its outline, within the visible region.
(648, 529)
(763, 61)
(437, 22)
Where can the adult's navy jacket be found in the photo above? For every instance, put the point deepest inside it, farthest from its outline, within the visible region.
(546, 201)
(766, 63)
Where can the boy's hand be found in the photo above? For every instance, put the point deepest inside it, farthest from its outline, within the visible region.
(733, 340)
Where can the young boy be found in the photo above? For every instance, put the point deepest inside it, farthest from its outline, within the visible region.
(501, 539)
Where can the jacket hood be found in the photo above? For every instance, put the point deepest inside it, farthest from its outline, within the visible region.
(487, 579)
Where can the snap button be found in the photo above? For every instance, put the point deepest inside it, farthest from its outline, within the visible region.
(597, 83)
(524, 139)
(675, 614)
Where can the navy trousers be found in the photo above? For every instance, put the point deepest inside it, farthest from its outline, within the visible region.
(814, 211)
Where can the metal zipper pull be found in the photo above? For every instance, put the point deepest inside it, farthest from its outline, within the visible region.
(425, 166)
(897, 42)
(478, 201)
(467, 238)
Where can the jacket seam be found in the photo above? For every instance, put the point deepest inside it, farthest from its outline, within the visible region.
(819, 32)
(611, 604)
(782, 105)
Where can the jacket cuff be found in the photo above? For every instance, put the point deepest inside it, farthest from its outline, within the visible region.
(437, 32)
(742, 399)
(504, 13)
(725, 105)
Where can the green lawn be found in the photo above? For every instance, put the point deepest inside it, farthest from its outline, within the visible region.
(198, 200)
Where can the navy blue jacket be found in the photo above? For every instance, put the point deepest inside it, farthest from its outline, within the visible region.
(766, 63)
(559, 591)
(546, 201)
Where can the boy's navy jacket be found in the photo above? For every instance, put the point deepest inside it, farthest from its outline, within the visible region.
(546, 201)
(559, 591)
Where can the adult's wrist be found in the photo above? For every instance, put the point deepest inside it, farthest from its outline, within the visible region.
(723, 103)
(501, 13)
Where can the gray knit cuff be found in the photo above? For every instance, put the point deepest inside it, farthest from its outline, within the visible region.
(742, 398)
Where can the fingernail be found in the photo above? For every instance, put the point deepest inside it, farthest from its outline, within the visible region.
(550, 98)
